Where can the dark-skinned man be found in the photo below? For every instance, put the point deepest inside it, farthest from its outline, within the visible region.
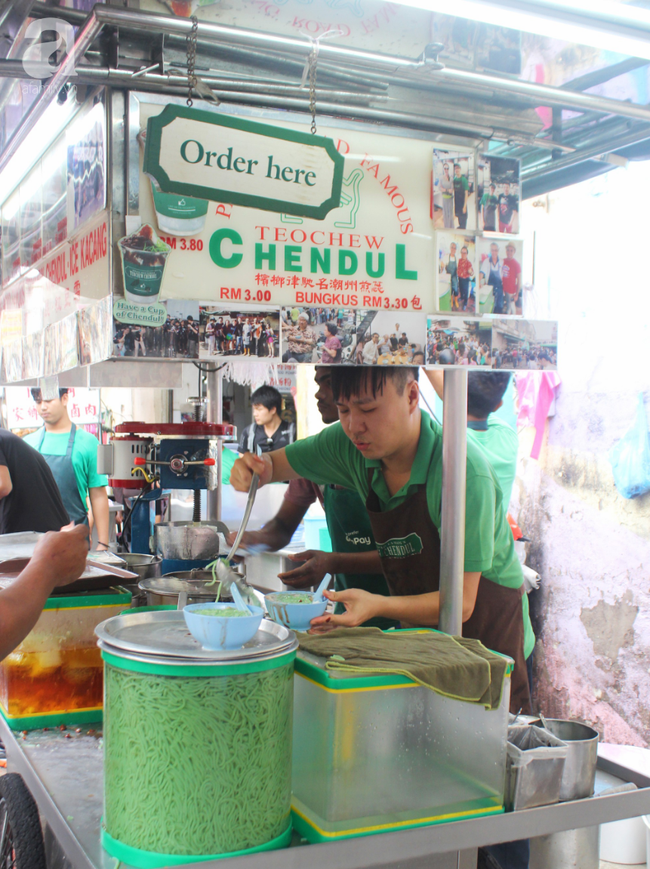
(391, 453)
(354, 562)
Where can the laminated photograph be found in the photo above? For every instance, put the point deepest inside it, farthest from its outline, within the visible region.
(239, 333)
(529, 345)
(499, 194)
(390, 338)
(453, 190)
(457, 341)
(326, 336)
(456, 272)
(499, 274)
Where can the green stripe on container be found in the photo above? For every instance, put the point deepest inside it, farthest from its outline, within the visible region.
(348, 683)
(194, 669)
(37, 722)
(153, 860)
(84, 601)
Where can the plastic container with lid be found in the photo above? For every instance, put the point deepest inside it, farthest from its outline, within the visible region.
(55, 675)
(381, 753)
(199, 741)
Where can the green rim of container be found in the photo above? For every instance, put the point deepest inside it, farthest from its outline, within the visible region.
(197, 669)
(154, 860)
(89, 601)
(37, 722)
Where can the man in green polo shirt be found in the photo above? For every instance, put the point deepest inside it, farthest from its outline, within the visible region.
(391, 453)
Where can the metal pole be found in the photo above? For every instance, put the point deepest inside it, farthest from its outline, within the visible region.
(454, 473)
(214, 413)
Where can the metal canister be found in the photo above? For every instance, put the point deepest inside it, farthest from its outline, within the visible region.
(582, 757)
(182, 588)
(188, 541)
(199, 740)
(146, 567)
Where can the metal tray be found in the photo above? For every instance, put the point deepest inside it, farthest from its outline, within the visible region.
(96, 575)
(165, 634)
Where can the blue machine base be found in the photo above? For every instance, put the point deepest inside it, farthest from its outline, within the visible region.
(172, 565)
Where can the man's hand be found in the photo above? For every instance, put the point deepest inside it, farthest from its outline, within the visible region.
(61, 555)
(316, 565)
(359, 607)
(242, 471)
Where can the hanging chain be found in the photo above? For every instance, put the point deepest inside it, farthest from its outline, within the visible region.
(313, 57)
(190, 41)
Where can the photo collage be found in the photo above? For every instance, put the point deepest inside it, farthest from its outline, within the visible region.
(510, 344)
(475, 211)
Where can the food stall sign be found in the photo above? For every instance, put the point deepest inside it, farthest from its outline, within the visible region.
(222, 158)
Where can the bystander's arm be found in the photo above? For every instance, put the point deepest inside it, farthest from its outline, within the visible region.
(99, 504)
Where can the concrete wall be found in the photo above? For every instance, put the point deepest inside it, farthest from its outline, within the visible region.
(590, 545)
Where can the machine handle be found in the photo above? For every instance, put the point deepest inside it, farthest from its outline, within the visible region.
(141, 460)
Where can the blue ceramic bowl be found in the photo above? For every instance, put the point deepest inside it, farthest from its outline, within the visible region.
(217, 633)
(296, 616)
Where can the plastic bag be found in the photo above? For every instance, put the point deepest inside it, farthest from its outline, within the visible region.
(630, 457)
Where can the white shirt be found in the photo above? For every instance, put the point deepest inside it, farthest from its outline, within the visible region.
(370, 352)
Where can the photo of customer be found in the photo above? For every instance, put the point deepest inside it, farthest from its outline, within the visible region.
(326, 336)
(454, 190)
(511, 275)
(238, 333)
(456, 272)
(500, 284)
(498, 194)
(460, 342)
(390, 338)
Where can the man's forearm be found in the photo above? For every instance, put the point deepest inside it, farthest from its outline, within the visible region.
(355, 562)
(20, 606)
(416, 609)
(99, 504)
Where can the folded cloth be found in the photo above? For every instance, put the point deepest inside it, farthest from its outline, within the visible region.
(452, 666)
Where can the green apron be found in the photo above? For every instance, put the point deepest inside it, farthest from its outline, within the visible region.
(66, 479)
(349, 528)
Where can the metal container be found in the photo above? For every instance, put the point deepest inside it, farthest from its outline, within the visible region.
(222, 717)
(580, 768)
(534, 768)
(179, 589)
(146, 566)
(570, 849)
(188, 541)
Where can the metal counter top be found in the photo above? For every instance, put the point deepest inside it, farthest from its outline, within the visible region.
(64, 772)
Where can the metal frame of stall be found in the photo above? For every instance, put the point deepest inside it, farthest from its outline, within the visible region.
(51, 765)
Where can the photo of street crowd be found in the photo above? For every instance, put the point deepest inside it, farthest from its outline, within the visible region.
(238, 333)
(500, 278)
(390, 338)
(456, 272)
(454, 190)
(177, 338)
(455, 341)
(498, 194)
(323, 335)
(525, 344)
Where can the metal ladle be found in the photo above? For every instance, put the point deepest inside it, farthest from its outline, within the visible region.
(226, 574)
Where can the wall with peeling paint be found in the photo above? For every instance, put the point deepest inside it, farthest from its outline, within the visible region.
(590, 545)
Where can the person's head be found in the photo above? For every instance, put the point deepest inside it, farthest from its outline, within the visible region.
(463, 252)
(457, 170)
(492, 188)
(378, 408)
(452, 248)
(375, 337)
(303, 321)
(485, 391)
(494, 251)
(267, 405)
(506, 188)
(332, 328)
(53, 410)
(445, 166)
(418, 358)
(510, 251)
(326, 405)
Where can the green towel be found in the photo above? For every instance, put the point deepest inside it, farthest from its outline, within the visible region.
(452, 666)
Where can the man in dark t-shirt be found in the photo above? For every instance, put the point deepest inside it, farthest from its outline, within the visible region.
(29, 497)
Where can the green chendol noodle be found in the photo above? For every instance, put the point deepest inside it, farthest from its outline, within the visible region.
(292, 597)
(197, 766)
(229, 612)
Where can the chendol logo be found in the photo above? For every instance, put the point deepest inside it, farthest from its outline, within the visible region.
(401, 547)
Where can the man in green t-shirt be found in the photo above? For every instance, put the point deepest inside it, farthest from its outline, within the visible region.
(71, 454)
(391, 453)
(461, 196)
(488, 209)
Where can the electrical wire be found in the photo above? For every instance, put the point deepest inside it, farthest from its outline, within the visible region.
(127, 518)
(208, 370)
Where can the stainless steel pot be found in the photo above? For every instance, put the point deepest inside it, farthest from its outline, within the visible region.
(582, 756)
(181, 588)
(146, 566)
(188, 541)
(570, 849)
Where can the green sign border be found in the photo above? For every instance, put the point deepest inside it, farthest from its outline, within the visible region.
(171, 113)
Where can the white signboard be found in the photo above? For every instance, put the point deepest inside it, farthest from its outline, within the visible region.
(83, 407)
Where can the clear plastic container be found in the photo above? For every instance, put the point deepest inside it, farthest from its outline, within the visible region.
(55, 675)
(373, 754)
